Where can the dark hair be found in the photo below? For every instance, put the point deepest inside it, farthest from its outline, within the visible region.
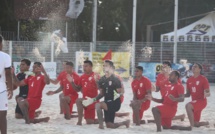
(140, 68)
(38, 63)
(167, 63)
(109, 62)
(88, 62)
(27, 61)
(177, 73)
(1, 38)
(65, 61)
(200, 67)
(70, 64)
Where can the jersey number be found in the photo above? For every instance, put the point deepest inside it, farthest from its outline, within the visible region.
(67, 86)
(32, 84)
(193, 89)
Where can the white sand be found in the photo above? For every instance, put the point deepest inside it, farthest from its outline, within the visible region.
(58, 125)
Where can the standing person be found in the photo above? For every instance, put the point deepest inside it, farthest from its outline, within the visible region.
(56, 81)
(164, 113)
(110, 89)
(198, 89)
(69, 93)
(6, 91)
(36, 85)
(141, 87)
(88, 85)
(23, 90)
(163, 83)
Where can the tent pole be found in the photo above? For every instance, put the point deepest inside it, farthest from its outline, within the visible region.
(94, 24)
(175, 32)
(133, 36)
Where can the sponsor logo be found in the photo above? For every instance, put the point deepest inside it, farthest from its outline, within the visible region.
(199, 29)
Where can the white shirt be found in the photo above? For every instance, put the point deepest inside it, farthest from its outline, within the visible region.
(5, 62)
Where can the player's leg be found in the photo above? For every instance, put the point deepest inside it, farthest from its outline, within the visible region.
(66, 104)
(37, 113)
(90, 113)
(136, 112)
(80, 110)
(197, 123)
(45, 119)
(179, 117)
(3, 122)
(157, 117)
(3, 112)
(119, 114)
(18, 113)
(23, 104)
(61, 105)
(116, 125)
(99, 107)
(190, 114)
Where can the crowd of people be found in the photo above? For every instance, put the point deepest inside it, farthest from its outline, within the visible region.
(95, 87)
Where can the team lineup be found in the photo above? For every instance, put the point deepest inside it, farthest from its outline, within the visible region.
(94, 87)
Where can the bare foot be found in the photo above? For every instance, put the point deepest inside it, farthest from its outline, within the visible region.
(183, 117)
(127, 123)
(79, 123)
(46, 119)
(101, 127)
(67, 117)
(37, 113)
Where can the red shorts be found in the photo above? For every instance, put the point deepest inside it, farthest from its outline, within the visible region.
(144, 107)
(90, 111)
(198, 106)
(167, 113)
(34, 104)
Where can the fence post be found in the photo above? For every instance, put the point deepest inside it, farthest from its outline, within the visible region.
(161, 52)
(52, 52)
(10, 48)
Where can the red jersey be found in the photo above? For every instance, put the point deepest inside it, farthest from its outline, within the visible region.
(88, 85)
(141, 86)
(67, 86)
(36, 85)
(196, 86)
(60, 76)
(163, 83)
(175, 90)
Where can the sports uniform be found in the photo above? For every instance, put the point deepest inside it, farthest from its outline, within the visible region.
(169, 108)
(196, 86)
(5, 62)
(36, 85)
(23, 91)
(109, 85)
(140, 87)
(89, 89)
(163, 82)
(67, 88)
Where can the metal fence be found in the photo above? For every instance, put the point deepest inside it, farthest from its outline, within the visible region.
(203, 53)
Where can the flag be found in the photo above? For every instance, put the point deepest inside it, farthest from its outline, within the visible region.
(108, 56)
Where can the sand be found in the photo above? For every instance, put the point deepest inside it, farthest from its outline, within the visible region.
(58, 125)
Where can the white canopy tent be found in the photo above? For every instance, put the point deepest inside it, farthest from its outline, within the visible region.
(202, 30)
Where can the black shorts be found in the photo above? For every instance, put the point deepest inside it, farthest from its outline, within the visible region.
(113, 107)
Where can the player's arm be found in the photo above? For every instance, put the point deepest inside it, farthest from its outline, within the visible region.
(16, 82)
(76, 87)
(157, 89)
(47, 79)
(9, 82)
(149, 93)
(187, 93)
(101, 94)
(207, 92)
(179, 99)
(55, 92)
(71, 81)
(55, 82)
